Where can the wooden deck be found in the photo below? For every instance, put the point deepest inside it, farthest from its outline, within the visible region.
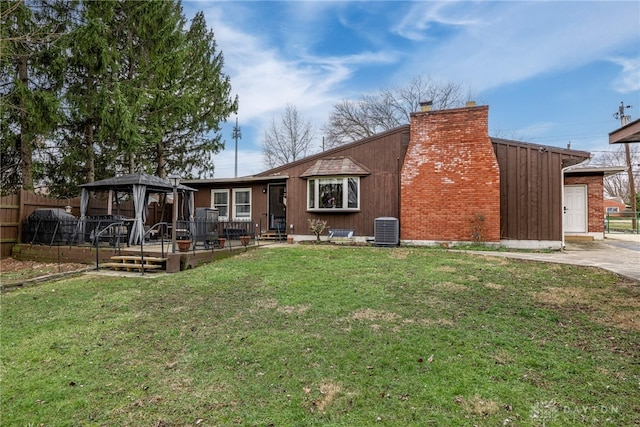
(175, 262)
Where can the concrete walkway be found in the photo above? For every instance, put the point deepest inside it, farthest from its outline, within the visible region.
(619, 253)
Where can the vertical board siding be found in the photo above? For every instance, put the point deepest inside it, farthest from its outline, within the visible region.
(381, 155)
(531, 189)
(379, 191)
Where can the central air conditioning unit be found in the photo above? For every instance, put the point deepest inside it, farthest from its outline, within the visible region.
(386, 231)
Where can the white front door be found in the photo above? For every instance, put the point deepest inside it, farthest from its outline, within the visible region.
(575, 209)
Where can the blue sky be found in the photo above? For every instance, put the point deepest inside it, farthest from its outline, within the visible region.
(552, 72)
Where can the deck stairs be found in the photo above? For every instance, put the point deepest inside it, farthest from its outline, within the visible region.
(136, 263)
(273, 235)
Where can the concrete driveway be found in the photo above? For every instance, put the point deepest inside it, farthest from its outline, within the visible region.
(619, 253)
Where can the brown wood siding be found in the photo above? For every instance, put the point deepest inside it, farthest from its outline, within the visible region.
(259, 199)
(531, 189)
(379, 191)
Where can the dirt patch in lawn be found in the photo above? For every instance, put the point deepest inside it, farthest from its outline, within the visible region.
(16, 271)
(619, 310)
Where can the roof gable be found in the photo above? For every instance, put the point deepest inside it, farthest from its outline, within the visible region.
(333, 151)
(335, 166)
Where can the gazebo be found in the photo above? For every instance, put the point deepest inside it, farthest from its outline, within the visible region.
(140, 185)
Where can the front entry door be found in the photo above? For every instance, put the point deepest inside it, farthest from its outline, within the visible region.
(575, 208)
(277, 209)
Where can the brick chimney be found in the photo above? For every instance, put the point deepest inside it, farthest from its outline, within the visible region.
(450, 180)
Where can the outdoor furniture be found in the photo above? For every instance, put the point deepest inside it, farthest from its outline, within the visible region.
(234, 233)
(49, 226)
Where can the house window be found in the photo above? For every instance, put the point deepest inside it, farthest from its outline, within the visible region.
(330, 193)
(221, 202)
(242, 204)
(612, 209)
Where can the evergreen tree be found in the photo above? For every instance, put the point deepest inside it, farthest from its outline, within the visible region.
(92, 58)
(140, 91)
(189, 98)
(30, 78)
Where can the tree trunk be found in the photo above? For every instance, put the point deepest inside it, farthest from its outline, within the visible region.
(26, 148)
(161, 168)
(91, 162)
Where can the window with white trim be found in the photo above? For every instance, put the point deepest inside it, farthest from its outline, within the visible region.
(333, 193)
(613, 209)
(220, 201)
(242, 204)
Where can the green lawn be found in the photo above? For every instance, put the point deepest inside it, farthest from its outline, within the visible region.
(324, 335)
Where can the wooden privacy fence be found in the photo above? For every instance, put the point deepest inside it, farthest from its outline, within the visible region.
(15, 208)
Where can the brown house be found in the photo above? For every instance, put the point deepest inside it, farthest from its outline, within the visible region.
(440, 179)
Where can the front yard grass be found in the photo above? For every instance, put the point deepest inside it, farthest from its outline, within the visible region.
(326, 335)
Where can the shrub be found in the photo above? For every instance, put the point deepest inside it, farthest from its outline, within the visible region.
(317, 226)
(478, 227)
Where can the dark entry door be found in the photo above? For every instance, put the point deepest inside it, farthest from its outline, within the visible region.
(277, 208)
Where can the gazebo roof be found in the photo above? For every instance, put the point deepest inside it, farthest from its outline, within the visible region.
(126, 182)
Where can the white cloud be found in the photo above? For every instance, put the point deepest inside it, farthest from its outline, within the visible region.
(513, 41)
(423, 17)
(629, 78)
(271, 54)
(266, 77)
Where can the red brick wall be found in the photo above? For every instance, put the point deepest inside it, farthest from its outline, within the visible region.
(613, 203)
(595, 199)
(450, 175)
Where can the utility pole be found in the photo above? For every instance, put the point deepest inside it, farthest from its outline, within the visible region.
(624, 120)
(236, 134)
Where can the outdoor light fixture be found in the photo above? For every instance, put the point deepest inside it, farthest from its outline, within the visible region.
(175, 181)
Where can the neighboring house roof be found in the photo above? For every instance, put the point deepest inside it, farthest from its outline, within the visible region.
(616, 199)
(336, 166)
(627, 133)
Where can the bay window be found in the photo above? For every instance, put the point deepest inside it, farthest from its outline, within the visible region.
(333, 193)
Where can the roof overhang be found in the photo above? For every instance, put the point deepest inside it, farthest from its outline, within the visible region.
(595, 170)
(238, 180)
(340, 166)
(627, 133)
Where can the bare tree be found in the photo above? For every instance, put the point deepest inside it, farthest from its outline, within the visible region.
(287, 139)
(389, 108)
(618, 185)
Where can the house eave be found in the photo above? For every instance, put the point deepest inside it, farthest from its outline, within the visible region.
(238, 180)
(627, 133)
(591, 170)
